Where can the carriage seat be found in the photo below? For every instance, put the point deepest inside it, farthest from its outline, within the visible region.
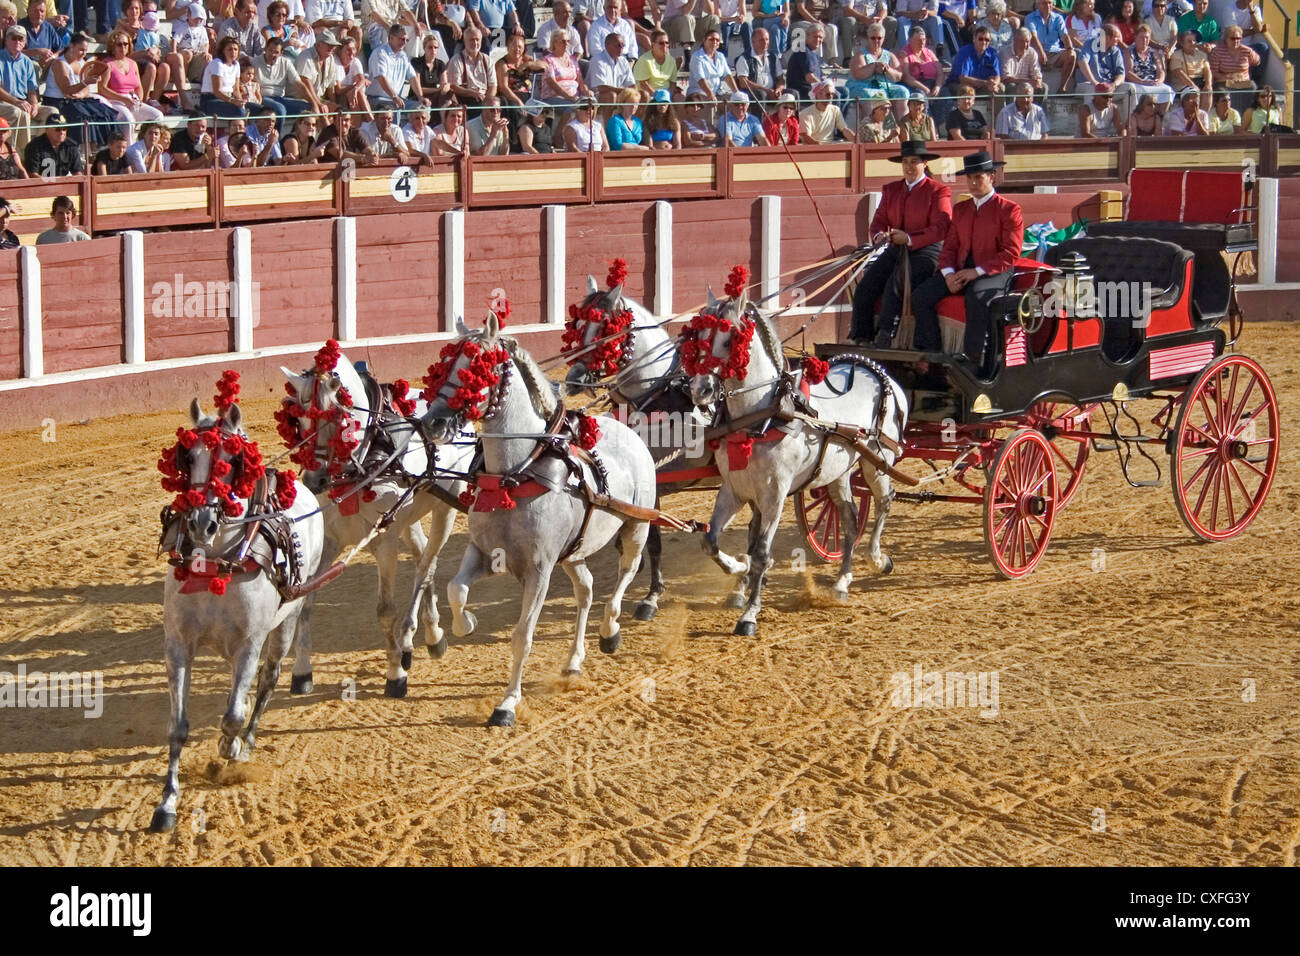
(1129, 260)
(1207, 241)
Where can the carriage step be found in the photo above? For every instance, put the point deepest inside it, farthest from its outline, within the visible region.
(1104, 446)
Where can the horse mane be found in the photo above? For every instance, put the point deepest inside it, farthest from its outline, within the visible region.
(767, 335)
(538, 385)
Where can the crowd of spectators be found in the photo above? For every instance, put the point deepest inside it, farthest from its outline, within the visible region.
(147, 86)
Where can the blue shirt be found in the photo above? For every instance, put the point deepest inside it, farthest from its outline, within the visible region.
(741, 131)
(969, 63)
(1108, 64)
(1051, 34)
(147, 40)
(18, 75)
(800, 64)
(47, 37)
(619, 131)
(491, 12)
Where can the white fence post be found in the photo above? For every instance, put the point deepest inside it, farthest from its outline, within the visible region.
(133, 296)
(557, 224)
(345, 277)
(33, 337)
(663, 258)
(454, 267)
(770, 259)
(1268, 217)
(242, 303)
(873, 203)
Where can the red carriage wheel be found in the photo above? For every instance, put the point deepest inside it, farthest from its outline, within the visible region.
(1225, 448)
(1020, 503)
(1069, 453)
(819, 518)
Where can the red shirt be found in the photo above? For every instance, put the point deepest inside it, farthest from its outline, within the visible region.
(772, 128)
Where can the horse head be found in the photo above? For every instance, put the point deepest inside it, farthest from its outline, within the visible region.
(207, 467)
(716, 345)
(598, 337)
(467, 382)
(319, 421)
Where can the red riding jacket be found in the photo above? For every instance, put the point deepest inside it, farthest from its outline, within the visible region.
(923, 212)
(994, 235)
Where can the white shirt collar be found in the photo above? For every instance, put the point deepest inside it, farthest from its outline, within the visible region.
(981, 201)
(914, 182)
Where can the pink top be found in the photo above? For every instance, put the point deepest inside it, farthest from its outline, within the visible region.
(563, 72)
(923, 66)
(124, 76)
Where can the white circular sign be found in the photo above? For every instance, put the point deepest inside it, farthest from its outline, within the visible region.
(403, 184)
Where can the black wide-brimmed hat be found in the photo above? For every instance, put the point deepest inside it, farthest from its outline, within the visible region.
(979, 162)
(913, 149)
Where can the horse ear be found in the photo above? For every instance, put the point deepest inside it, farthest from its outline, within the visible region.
(616, 293)
(712, 300)
(196, 412)
(461, 327)
(233, 417)
(591, 284)
(493, 326)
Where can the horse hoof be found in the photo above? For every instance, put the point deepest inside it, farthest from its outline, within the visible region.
(395, 688)
(164, 821)
(464, 626)
(406, 660)
(745, 628)
(301, 684)
(645, 611)
(841, 596)
(501, 718)
(437, 650)
(888, 565)
(608, 645)
(230, 749)
(571, 672)
(735, 599)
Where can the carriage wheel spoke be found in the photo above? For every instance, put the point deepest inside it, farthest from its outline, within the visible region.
(1228, 494)
(1214, 499)
(1205, 436)
(1205, 488)
(1199, 471)
(1029, 534)
(1254, 415)
(1245, 397)
(1250, 498)
(1210, 420)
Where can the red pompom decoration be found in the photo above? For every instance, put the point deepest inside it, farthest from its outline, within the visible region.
(815, 369)
(327, 359)
(403, 405)
(218, 586)
(612, 340)
(737, 281)
(617, 273)
(476, 379)
(697, 347)
(588, 432)
(466, 497)
(227, 390)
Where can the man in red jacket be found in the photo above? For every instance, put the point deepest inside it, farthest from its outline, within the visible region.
(913, 215)
(984, 240)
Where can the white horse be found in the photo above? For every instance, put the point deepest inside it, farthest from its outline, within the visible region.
(526, 453)
(614, 340)
(786, 458)
(235, 623)
(358, 435)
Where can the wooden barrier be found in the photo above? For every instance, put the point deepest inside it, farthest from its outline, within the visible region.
(767, 170)
(1201, 152)
(1057, 161)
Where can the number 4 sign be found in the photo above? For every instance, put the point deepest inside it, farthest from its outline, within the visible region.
(403, 184)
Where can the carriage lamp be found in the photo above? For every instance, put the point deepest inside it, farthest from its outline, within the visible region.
(1078, 287)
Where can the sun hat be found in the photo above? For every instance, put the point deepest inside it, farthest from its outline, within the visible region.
(661, 96)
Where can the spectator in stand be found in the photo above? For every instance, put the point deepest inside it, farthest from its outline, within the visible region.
(738, 126)
(221, 95)
(1263, 113)
(662, 127)
(343, 141)
(537, 132)
(1245, 14)
(53, 155)
(1224, 120)
(656, 69)
(242, 26)
(249, 88)
(377, 16)
(233, 149)
(283, 90)
(1230, 65)
(955, 19)
(385, 137)
(1145, 70)
(300, 146)
(1052, 42)
(561, 83)
(876, 72)
(158, 51)
(19, 86)
(7, 239)
(489, 132)
(561, 19)
(1020, 63)
(614, 21)
(818, 123)
(275, 23)
(816, 13)
(609, 73)
(192, 44)
(191, 148)
(470, 74)
(782, 124)
(1189, 119)
(320, 70)
(1001, 29)
(976, 67)
(1022, 118)
(760, 73)
(1164, 28)
(849, 15)
(393, 78)
(432, 71)
(710, 71)
(62, 212)
(1202, 24)
(1189, 66)
(585, 133)
(923, 15)
(497, 19)
(1128, 20)
(265, 137)
(11, 163)
(418, 134)
(921, 70)
(881, 127)
(147, 154)
(584, 12)
(45, 40)
(696, 130)
(350, 94)
(516, 72)
(1176, 7)
(334, 16)
(1106, 65)
(1144, 120)
(804, 69)
(965, 121)
(111, 160)
(917, 124)
(1084, 26)
(681, 24)
(1101, 118)
(734, 20)
(772, 16)
(69, 83)
(623, 130)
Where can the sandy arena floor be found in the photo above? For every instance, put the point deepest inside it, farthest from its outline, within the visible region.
(1122, 736)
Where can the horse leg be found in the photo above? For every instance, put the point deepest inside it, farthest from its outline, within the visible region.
(535, 582)
(632, 536)
(278, 644)
(444, 518)
(385, 549)
(580, 575)
(842, 494)
(768, 514)
(180, 663)
(301, 681)
(649, 606)
(473, 565)
(242, 670)
(724, 509)
(882, 491)
(739, 595)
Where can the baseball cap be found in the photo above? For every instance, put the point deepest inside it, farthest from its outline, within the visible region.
(661, 96)
(16, 31)
(787, 98)
(196, 12)
(55, 119)
(738, 97)
(327, 36)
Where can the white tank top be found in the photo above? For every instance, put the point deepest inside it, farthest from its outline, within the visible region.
(52, 91)
(586, 138)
